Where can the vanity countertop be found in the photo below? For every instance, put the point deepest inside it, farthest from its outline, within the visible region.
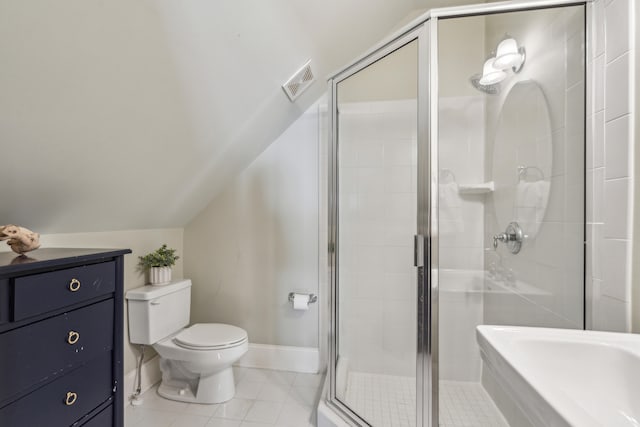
(47, 258)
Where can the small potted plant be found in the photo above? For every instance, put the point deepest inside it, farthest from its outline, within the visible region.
(159, 264)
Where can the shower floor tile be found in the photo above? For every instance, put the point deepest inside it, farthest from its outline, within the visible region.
(467, 404)
(382, 400)
(389, 401)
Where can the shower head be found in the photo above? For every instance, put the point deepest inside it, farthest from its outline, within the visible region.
(492, 89)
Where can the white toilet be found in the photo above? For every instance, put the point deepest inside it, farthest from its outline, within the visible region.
(196, 360)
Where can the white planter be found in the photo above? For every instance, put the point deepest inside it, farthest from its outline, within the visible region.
(160, 275)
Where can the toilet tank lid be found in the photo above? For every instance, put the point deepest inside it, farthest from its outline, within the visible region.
(149, 292)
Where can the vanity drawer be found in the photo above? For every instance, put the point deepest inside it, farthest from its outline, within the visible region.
(103, 419)
(49, 348)
(39, 293)
(65, 400)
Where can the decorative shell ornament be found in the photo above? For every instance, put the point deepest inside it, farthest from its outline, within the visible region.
(20, 239)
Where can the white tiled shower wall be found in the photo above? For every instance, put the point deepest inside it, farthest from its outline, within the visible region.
(549, 268)
(377, 197)
(461, 162)
(461, 235)
(610, 165)
(377, 223)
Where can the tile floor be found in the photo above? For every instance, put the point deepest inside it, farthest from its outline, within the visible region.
(467, 404)
(263, 398)
(389, 401)
(383, 400)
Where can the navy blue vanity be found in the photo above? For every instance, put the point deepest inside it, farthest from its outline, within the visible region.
(61, 338)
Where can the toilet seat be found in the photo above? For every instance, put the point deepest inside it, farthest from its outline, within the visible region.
(210, 336)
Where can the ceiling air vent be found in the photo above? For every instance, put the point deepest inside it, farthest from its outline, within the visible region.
(299, 82)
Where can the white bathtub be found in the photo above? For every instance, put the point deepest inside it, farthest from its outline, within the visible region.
(561, 377)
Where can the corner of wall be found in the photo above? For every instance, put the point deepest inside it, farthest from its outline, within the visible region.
(612, 245)
(635, 168)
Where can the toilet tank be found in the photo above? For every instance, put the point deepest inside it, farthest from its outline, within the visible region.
(155, 312)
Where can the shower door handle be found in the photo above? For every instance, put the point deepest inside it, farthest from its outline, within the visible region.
(418, 250)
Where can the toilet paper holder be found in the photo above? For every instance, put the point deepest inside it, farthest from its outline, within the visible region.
(312, 297)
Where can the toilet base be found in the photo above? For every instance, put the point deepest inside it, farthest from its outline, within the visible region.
(215, 388)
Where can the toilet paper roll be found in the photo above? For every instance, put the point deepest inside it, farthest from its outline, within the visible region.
(301, 302)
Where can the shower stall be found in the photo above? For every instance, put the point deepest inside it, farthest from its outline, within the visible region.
(456, 198)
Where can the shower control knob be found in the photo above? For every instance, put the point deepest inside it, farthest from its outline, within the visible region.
(512, 238)
(502, 237)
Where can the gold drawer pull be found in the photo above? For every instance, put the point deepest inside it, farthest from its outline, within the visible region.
(73, 337)
(74, 285)
(71, 398)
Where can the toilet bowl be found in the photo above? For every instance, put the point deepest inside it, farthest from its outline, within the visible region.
(196, 361)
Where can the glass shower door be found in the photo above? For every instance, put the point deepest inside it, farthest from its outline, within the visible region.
(375, 372)
(483, 162)
(511, 193)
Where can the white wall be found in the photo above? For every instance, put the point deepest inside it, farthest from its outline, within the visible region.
(377, 221)
(461, 156)
(105, 101)
(461, 118)
(140, 242)
(548, 271)
(609, 171)
(635, 292)
(388, 79)
(610, 165)
(461, 163)
(258, 240)
(461, 235)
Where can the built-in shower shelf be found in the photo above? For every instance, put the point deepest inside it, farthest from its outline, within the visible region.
(483, 188)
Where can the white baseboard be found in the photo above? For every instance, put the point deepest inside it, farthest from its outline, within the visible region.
(282, 358)
(150, 376)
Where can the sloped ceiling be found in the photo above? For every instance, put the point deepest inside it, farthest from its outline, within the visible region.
(128, 114)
